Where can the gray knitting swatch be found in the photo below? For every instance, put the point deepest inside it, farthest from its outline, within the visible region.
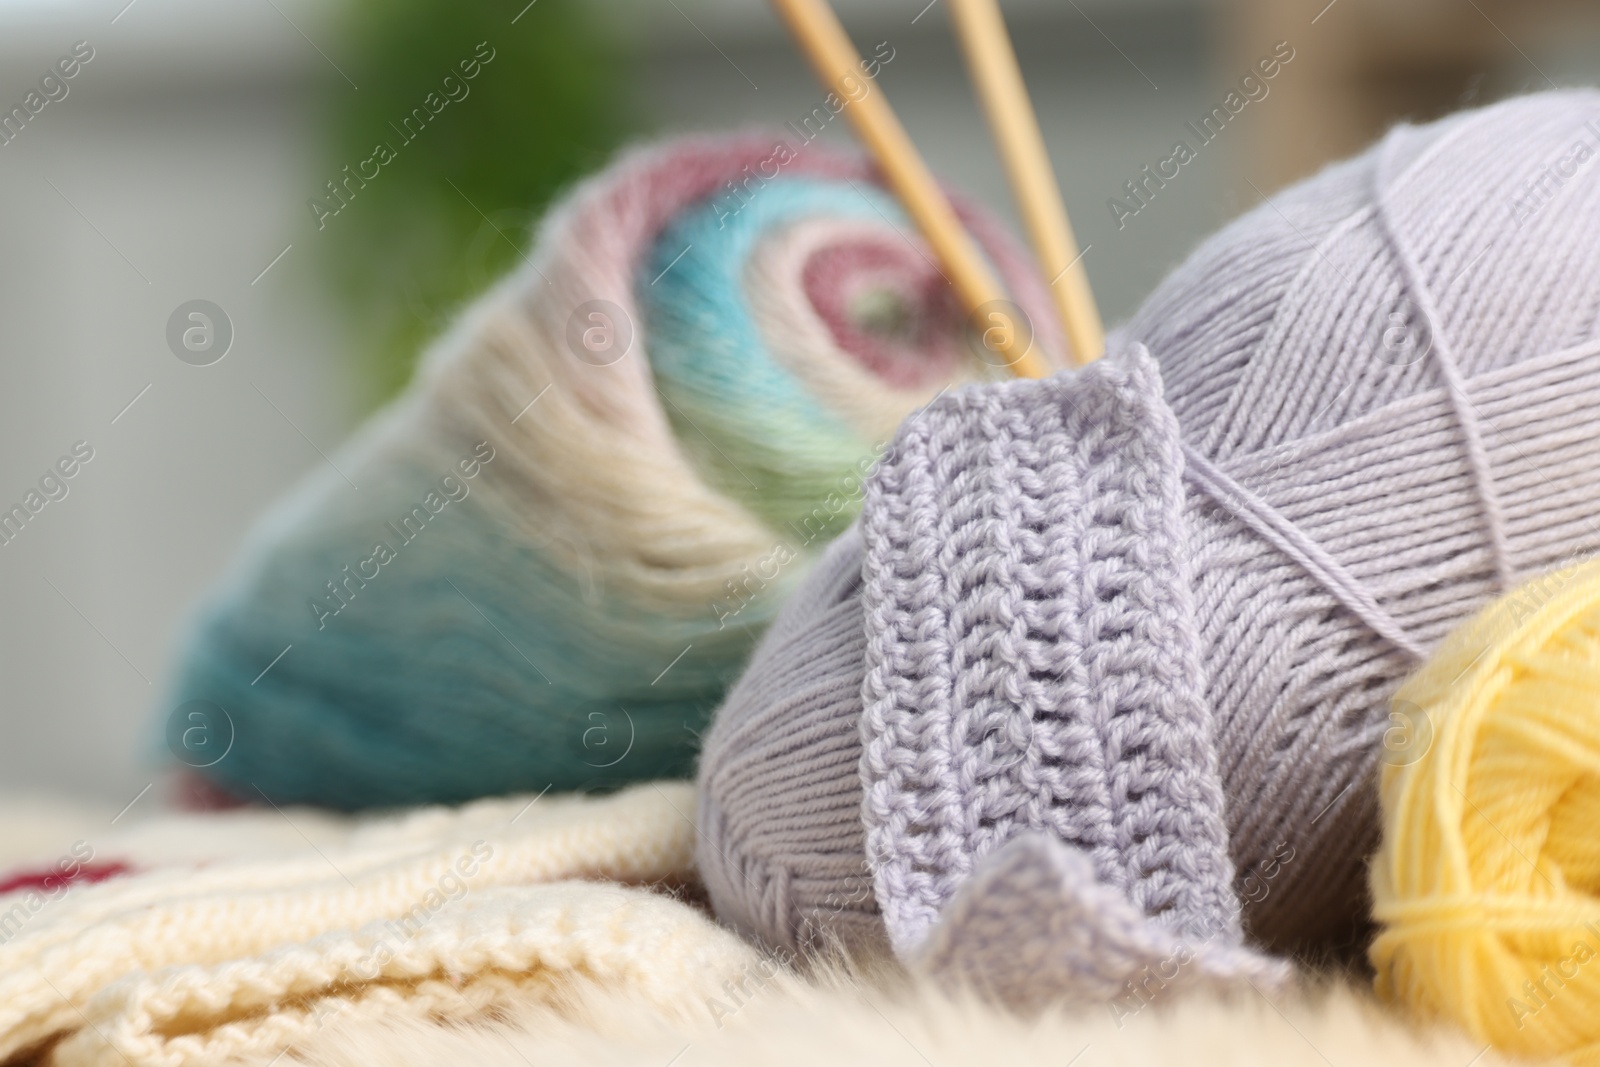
(1035, 927)
(1032, 654)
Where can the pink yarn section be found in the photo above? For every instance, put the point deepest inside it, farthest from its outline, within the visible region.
(838, 279)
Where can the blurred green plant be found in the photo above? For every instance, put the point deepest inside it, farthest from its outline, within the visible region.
(451, 210)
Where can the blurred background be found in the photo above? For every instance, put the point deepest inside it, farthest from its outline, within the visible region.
(187, 159)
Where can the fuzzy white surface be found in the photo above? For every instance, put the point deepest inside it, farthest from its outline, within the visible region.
(852, 1022)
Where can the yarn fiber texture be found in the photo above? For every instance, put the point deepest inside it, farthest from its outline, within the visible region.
(1035, 927)
(437, 913)
(1067, 706)
(543, 565)
(1381, 385)
(1488, 882)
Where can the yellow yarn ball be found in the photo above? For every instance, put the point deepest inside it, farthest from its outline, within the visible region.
(1488, 882)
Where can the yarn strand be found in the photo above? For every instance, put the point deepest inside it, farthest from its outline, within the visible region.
(1278, 531)
(1444, 361)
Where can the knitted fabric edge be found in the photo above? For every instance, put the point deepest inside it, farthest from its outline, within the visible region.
(1032, 660)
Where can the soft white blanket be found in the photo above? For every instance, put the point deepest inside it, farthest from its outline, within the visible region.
(858, 1023)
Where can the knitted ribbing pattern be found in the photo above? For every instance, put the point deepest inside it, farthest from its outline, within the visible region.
(1032, 657)
(489, 951)
(399, 882)
(1384, 380)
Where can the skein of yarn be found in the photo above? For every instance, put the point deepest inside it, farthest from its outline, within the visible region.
(1488, 882)
(543, 564)
(1152, 614)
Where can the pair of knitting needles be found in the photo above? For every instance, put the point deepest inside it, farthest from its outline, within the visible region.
(993, 65)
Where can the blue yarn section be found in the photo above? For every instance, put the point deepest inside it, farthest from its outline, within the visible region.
(468, 664)
(467, 667)
(748, 422)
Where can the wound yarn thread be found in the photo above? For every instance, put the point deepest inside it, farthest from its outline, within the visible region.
(1488, 882)
(667, 411)
(1381, 382)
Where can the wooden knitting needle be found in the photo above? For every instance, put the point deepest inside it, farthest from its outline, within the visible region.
(838, 65)
(992, 62)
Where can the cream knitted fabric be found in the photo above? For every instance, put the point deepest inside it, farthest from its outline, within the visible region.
(185, 964)
(495, 949)
(1383, 385)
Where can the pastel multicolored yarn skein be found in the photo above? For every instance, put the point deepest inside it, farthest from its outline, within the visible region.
(543, 564)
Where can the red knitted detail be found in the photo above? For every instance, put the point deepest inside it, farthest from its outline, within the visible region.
(50, 879)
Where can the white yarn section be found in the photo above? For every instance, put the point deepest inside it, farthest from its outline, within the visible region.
(593, 471)
(229, 916)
